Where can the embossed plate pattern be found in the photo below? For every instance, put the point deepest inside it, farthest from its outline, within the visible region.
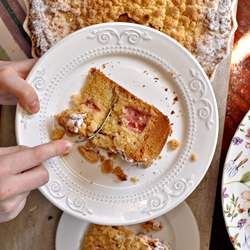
(158, 70)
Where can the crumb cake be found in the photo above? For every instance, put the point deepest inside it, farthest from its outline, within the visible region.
(202, 26)
(135, 129)
(119, 238)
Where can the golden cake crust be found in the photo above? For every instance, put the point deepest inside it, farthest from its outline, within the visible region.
(201, 26)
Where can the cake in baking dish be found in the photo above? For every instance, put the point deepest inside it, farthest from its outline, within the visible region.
(119, 238)
(202, 26)
(135, 129)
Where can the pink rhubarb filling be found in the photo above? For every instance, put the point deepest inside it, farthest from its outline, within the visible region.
(135, 119)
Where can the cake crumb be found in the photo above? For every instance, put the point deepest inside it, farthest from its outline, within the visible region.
(107, 166)
(89, 155)
(57, 134)
(194, 157)
(101, 157)
(175, 99)
(154, 225)
(112, 155)
(115, 155)
(134, 179)
(120, 174)
(90, 145)
(70, 134)
(174, 144)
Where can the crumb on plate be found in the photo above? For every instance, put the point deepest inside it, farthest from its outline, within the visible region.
(194, 157)
(88, 154)
(120, 174)
(154, 225)
(107, 166)
(57, 134)
(134, 179)
(174, 144)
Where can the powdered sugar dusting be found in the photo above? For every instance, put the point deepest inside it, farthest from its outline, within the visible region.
(75, 121)
(45, 31)
(155, 244)
(211, 48)
(42, 35)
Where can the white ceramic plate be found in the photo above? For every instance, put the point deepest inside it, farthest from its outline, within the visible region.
(155, 68)
(179, 230)
(236, 187)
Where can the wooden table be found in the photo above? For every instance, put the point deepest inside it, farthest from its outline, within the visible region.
(35, 227)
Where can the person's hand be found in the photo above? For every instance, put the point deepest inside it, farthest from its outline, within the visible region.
(13, 87)
(21, 171)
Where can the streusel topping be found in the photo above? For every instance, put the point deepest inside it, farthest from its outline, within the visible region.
(202, 26)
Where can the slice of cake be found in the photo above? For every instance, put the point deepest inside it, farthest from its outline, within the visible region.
(135, 129)
(119, 238)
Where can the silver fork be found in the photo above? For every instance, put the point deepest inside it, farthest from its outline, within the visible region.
(100, 128)
(97, 131)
